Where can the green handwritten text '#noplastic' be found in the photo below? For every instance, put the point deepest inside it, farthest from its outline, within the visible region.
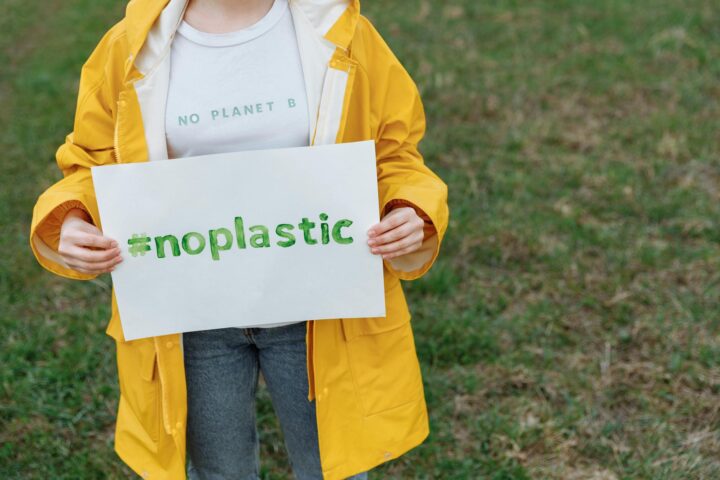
(222, 239)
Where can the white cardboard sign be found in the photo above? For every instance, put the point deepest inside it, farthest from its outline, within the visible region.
(245, 238)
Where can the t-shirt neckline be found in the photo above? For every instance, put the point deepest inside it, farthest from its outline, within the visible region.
(238, 36)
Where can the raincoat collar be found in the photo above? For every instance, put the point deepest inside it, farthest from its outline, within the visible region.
(151, 25)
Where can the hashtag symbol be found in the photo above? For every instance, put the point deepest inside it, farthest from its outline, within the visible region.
(139, 244)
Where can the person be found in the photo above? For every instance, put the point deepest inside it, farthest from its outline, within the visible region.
(180, 78)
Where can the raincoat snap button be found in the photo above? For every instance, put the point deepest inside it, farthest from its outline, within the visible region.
(178, 424)
(169, 344)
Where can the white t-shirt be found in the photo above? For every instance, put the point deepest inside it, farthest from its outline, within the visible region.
(241, 90)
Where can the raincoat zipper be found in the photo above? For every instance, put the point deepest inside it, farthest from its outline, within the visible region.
(116, 135)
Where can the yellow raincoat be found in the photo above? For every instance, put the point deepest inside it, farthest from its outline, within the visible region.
(363, 373)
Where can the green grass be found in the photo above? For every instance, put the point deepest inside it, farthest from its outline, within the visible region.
(570, 328)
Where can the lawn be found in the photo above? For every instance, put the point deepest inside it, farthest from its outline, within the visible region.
(571, 326)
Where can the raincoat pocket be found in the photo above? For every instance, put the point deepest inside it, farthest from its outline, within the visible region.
(385, 369)
(382, 357)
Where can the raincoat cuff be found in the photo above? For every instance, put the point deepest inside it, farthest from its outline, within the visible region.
(415, 264)
(48, 217)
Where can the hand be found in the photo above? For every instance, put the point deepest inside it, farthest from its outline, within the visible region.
(399, 232)
(83, 246)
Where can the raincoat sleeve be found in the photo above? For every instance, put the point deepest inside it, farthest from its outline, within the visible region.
(403, 176)
(89, 144)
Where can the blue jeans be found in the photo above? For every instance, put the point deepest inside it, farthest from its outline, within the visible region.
(221, 368)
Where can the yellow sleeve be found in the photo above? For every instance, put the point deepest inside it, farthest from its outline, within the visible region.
(89, 144)
(402, 172)
(49, 230)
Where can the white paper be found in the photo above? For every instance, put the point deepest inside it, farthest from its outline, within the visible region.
(251, 285)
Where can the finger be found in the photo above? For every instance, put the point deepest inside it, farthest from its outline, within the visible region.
(94, 271)
(399, 253)
(409, 249)
(393, 219)
(93, 240)
(93, 256)
(85, 270)
(392, 235)
(398, 245)
(93, 267)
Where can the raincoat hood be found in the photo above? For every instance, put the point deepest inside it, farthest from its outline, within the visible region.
(151, 25)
